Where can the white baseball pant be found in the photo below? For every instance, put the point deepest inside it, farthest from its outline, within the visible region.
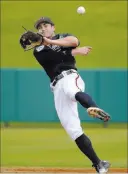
(66, 104)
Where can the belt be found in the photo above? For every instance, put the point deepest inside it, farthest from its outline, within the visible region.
(60, 76)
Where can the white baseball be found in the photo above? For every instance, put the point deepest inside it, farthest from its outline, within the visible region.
(80, 10)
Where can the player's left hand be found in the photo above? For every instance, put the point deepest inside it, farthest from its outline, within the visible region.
(29, 40)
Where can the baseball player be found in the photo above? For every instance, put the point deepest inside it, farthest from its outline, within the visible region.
(55, 53)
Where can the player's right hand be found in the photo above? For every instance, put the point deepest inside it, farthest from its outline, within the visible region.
(84, 50)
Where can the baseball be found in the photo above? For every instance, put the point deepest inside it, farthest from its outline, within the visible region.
(80, 10)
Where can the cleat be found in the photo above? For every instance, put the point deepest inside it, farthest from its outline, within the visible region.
(98, 113)
(102, 167)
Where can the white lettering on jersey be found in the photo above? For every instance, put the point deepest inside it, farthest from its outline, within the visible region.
(55, 48)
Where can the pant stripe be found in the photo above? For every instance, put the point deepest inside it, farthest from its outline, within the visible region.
(77, 83)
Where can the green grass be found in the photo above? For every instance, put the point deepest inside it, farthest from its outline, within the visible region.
(104, 27)
(58, 125)
(53, 147)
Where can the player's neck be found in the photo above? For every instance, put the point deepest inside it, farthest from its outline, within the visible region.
(52, 36)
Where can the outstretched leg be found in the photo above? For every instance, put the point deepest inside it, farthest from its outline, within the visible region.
(86, 101)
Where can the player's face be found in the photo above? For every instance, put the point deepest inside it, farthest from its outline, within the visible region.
(47, 30)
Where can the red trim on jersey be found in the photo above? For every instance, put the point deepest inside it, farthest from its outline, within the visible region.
(77, 83)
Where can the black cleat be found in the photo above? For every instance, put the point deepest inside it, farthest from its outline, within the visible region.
(98, 113)
(102, 167)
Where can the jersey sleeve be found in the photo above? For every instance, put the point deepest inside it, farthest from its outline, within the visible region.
(68, 34)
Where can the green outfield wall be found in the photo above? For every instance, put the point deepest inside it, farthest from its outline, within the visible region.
(26, 95)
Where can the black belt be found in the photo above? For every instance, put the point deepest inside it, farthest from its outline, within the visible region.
(60, 76)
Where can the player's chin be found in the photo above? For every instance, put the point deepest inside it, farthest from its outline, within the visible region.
(47, 35)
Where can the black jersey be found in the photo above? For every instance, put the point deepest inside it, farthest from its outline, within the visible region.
(55, 59)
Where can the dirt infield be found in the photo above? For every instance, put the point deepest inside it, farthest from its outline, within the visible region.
(55, 170)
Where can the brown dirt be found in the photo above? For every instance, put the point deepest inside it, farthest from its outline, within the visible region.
(55, 170)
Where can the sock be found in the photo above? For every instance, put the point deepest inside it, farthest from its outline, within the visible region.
(85, 145)
(85, 100)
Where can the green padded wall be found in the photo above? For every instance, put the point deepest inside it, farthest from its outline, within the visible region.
(26, 94)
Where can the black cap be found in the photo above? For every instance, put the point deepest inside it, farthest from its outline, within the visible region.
(43, 20)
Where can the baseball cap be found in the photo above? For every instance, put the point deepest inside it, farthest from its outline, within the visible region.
(46, 20)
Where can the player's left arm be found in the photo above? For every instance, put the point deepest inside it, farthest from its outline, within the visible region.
(69, 41)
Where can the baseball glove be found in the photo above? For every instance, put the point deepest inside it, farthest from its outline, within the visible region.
(30, 40)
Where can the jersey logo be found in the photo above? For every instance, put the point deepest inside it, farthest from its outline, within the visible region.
(38, 49)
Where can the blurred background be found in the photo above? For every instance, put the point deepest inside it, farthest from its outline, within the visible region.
(26, 98)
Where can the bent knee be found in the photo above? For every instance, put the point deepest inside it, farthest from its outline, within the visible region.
(74, 133)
